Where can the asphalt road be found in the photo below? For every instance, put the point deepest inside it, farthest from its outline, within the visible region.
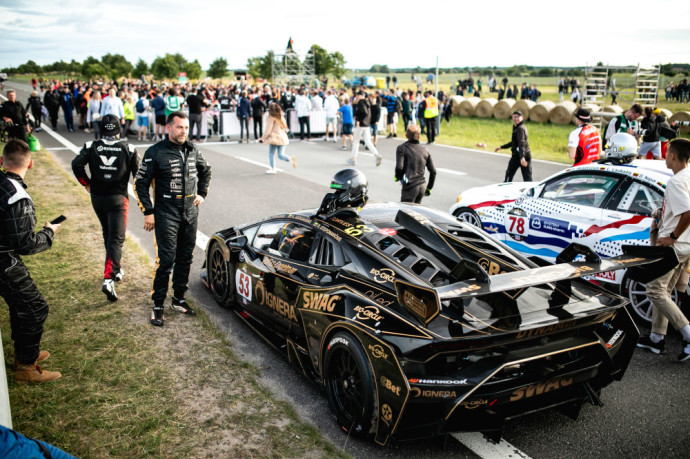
(645, 415)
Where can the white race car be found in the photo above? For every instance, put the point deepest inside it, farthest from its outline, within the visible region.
(600, 205)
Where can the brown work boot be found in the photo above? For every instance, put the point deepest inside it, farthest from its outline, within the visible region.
(34, 373)
(42, 355)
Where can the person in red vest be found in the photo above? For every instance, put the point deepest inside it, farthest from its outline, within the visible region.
(584, 143)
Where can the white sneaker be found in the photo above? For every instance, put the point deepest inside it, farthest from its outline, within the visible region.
(119, 275)
(379, 158)
(271, 171)
(109, 289)
(351, 161)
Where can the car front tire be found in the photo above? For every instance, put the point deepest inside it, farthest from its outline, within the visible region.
(220, 277)
(468, 215)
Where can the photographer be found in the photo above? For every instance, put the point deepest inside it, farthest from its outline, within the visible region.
(650, 135)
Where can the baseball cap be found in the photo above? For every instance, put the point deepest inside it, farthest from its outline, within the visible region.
(517, 112)
(110, 125)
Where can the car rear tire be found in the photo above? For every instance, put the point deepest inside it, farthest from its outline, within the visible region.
(640, 303)
(468, 215)
(220, 277)
(350, 385)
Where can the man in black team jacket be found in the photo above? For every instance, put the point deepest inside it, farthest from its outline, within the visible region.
(411, 161)
(521, 155)
(28, 308)
(111, 161)
(182, 177)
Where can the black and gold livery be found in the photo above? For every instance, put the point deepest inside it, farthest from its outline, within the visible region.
(417, 324)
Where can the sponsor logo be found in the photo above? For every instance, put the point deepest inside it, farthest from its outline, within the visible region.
(175, 170)
(374, 296)
(277, 304)
(268, 263)
(536, 223)
(280, 266)
(174, 185)
(474, 404)
(340, 222)
(419, 217)
(385, 382)
(544, 330)
(383, 275)
(386, 413)
(426, 393)
(320, 301)
(388, 231)
(448, 382)
(613, 339)
(608, 275)
(490, 267)
(377, 351)
(108, 161)
(460, 291)
(368, 312)
(174, 162)
(540, 388)
(414, 303)
(313, 276)
(167, 196)
(337, 340)
(242, 256)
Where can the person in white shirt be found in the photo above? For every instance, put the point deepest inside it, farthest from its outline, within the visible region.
(316, 102)
(112, 105)
(303, 109)
(331, 106)
(673, 232)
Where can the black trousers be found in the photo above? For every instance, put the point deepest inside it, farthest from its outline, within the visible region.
(28, 308)
(112, 213)
(244, 125)
(514, 165)
(258, 123)
(53, 115)
(175, 241)
(414, 194)
(430, 129)
(304, 121)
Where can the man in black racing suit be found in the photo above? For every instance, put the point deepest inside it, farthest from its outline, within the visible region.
(111, 161)
(182, 177)
(28, 308)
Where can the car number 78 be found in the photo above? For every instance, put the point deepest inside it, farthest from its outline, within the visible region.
(516, 225)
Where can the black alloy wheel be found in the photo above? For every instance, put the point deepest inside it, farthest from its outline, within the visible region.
(220, 277)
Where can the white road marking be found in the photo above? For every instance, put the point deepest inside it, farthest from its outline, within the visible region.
(450, 171)
(57, 149)
(483, 447)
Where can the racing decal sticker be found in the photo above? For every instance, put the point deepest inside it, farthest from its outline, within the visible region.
(388, 231)
(385, 382)
(517, 224)
(319, 301)
(490, 204)
(383, 275)
(430, 393)
(445, 382)
(613, 339)
(273, 301)
(244, 285)
(337, 340)
(377, 351)
(358, 230)
(386, 413)
(368, 313)
(243, 256)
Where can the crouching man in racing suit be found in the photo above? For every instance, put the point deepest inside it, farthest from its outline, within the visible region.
(111, 162)
(28, 308)
(182, 177)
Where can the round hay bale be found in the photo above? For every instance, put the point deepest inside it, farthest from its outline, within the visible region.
(485, 108)
(468, 106)
(525, 106)
(504, 108)
(681, 116)
(563, 113)
(541, 111)
(457, 100)
(605, 120)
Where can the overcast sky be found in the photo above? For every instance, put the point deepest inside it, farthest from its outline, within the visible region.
(400, 34)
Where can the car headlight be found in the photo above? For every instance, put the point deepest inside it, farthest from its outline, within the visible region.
(459, 198)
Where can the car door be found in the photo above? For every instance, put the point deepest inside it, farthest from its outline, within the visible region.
(568, 209)
(276, 273)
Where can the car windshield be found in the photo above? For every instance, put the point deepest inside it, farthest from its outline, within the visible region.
(582, 189)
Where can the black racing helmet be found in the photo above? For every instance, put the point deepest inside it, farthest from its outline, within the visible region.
(350, 188)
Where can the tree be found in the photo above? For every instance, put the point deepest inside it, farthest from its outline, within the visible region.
(116, 65)
(218, 68)
(338, 60)
(30, 68)
(254, 66)
(192, 69)
(94, 70)
(545, 72)
(141, 68)
(165, 67)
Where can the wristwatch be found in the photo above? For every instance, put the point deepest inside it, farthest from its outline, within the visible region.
(673, 236)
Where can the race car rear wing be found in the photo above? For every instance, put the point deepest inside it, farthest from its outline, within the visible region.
(425, 303)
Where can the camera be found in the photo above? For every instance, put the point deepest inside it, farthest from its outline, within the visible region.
(682, 123)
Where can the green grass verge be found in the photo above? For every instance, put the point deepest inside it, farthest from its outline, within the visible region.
(129, 389)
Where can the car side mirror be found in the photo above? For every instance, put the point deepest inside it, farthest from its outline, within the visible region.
(239, 242)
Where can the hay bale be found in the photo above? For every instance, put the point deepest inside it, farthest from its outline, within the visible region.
(485, 108)
(457, 100)
(468, 106)
(563, 113)
(541, 111)
(504, 108)
(681, 116)
(605, 120)
(525, 106)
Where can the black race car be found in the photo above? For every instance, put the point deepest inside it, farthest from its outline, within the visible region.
(417, 324)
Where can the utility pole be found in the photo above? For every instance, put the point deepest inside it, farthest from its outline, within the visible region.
(436, 85)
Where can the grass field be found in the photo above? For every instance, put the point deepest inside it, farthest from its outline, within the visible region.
(129, 389)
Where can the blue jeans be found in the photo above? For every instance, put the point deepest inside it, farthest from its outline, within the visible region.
(272, 149)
